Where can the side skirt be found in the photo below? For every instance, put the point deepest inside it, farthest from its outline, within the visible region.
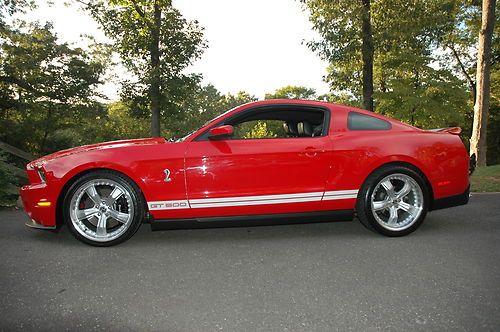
(451, 201)
(254, 220)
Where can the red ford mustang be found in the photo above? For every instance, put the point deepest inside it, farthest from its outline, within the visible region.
(265, 162)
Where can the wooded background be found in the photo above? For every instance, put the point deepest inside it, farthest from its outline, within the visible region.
(414, 60)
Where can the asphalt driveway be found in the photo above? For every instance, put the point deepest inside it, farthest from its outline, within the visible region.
(316, 277)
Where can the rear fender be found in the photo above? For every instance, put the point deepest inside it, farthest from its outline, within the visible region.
(405, 161)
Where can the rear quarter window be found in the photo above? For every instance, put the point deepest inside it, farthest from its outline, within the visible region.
(358, 121)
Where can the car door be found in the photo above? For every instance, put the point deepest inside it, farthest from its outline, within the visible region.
(234, 176)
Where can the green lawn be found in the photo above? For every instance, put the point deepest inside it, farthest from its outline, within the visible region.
(486, 179)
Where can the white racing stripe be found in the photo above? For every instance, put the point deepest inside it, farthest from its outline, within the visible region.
(256, 202)
(340, 194)
(253, 200)
(331, 198)
(256, 198)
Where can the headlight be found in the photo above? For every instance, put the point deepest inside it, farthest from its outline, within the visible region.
(41, 174)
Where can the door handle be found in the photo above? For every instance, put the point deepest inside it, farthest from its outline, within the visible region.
(312, 151)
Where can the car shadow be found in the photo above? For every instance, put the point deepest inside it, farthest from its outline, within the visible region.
(434, 224)
(146, 237)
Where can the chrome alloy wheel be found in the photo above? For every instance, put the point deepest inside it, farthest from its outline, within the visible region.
(101, 210)
(397, 202)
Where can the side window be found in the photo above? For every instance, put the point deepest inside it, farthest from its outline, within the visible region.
(358, 121)
(279, 122)
(259, 129)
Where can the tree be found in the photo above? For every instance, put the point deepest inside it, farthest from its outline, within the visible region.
(292, 92)
(458, 44)
(367, 55)
(10, 7)
(7, 182)
(481, 106)
(47, 88)
(156, 44)
(423, 96)
(493, 143)
(339, 26)
(397, 36)
(458, 53)
(118, 123)
(240, 98)
(202, 104)
(259, 130)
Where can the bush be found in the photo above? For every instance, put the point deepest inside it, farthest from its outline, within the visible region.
(8, 182)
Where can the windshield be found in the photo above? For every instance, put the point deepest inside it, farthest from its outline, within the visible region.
(175, 139)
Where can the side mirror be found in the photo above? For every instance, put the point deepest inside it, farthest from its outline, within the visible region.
(221, 132)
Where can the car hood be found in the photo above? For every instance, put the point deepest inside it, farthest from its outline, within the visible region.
(98, 146)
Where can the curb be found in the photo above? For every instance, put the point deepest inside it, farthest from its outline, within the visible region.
(485, 192)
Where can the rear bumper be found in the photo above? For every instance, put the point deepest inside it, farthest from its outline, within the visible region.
(451, 201)
(42, 216)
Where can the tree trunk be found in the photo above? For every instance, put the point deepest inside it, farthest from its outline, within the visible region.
(472, 84)
(154, 89)
(48, 124)
(367, 53)
(416, 85)
(481, 106)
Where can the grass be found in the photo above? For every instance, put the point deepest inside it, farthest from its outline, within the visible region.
(486, 179)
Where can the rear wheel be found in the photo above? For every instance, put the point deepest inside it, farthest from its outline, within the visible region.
(103, 208)
(393, 201)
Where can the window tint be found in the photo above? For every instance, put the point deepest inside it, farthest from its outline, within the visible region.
(279, 122)
(358, 121)
(259, 129)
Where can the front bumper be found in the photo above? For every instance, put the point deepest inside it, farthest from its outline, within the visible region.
(41, 215)
(33, 224)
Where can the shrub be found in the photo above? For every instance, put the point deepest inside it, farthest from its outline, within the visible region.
(8, 182)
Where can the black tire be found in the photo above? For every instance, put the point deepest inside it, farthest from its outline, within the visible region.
(364, 207)
(134, 200)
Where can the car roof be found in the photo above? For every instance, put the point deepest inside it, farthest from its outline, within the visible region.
(306, 102)
(331, 106)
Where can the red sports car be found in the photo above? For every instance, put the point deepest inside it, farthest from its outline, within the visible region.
(267, 162)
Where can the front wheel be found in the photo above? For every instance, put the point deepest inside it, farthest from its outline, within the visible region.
(393, 201)
(103, 208)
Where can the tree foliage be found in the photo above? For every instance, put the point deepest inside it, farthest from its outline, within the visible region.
(155, 44)
(478, 138)
(459, 54)
(424, 54)
(425, 59)
(292, 92)
(119, 123)
(400, 28)
(7, 180)
(408, 84)
(10, 7)
(45, 87)
(259, 130)
(203, 104)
